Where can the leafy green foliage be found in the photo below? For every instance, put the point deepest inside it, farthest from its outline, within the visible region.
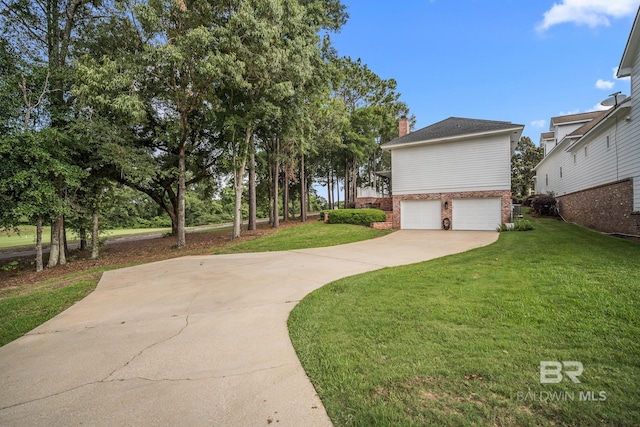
(523, 225)
(524, 159)
(356, 216)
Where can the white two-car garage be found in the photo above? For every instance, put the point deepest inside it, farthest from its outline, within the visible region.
(467, 214)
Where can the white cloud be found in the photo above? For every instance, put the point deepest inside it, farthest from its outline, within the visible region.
(593, 13)
(604, 84)
(568, 113)
(538, 123)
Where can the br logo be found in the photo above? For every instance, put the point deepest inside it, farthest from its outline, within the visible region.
(551, 371)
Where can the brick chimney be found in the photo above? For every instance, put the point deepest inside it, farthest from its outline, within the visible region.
(403, 126)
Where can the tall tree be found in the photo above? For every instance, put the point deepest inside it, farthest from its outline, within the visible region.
(525, 157)
(171, 63)
(44, 31)
(373, 107)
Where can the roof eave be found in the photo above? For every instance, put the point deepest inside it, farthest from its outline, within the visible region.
(626, 63)
(613, 113)
(390, 147)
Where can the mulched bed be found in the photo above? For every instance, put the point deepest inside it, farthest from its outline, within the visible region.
(130, 252)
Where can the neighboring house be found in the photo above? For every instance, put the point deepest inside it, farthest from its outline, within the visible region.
(455, 172)
(562, 126)
(594, 170)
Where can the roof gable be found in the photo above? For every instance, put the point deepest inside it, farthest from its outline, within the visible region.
(453, 128)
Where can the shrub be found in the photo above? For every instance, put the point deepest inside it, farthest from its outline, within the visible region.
(544, 205)
(356, 216)
(524, 225)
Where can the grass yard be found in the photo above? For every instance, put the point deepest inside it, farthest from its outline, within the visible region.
(458, 341)
(27, 236)
(24, 307)
(310, 235)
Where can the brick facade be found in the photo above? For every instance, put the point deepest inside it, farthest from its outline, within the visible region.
(446, 203)
(384, 203)
(607, 208)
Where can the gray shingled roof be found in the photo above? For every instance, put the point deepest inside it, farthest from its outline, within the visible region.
(589, 125)
(581, 117)
(452, 127)
(547, 135)
(585, 128)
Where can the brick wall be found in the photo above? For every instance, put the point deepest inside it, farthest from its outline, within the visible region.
(607, 208)
(446, 202)
(385, 203)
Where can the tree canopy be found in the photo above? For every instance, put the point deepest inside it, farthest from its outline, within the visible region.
(198, 105)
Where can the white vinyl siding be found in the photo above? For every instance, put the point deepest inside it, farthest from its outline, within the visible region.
(564, 130)
(469, 165)
(602, 165)
(476, 214)
(420, 214)
(580, 172)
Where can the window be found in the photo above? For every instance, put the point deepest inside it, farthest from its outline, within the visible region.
(585, 151)
(608, 143)
(575, 159)
(560, 171)
(546, 179)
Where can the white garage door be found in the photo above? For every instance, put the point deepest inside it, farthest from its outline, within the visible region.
(476, 214)
(420, 214)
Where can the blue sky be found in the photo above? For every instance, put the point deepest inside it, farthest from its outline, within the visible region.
(512, 60)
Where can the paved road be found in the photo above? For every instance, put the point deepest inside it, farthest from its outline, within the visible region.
(9, 254)
(197, 341)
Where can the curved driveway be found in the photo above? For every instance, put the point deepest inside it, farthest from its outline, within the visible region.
(198, 341)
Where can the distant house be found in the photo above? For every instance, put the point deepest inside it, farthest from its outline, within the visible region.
(453, 174)
(593, 166)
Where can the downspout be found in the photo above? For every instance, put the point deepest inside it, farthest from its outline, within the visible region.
(616, 145)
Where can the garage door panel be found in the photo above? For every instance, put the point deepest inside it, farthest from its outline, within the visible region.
(420, 214)
(476, 214)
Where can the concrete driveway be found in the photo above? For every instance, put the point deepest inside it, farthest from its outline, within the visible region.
(198, 341)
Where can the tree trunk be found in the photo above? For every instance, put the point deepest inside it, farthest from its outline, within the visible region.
(56, 254)
(252, 186)
(285, 196)
(54, 247)
(65, 246)
(354, 181)
(303, 191)
(346, 185)
(276, 175)
(330, 187)
(83, 238)
(181, 192)
(39, 265)
(95, 238)
(238, 177)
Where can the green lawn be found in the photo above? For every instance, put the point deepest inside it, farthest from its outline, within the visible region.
(21, 311)
(27, 236)
(459, 340)
(310, 235)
